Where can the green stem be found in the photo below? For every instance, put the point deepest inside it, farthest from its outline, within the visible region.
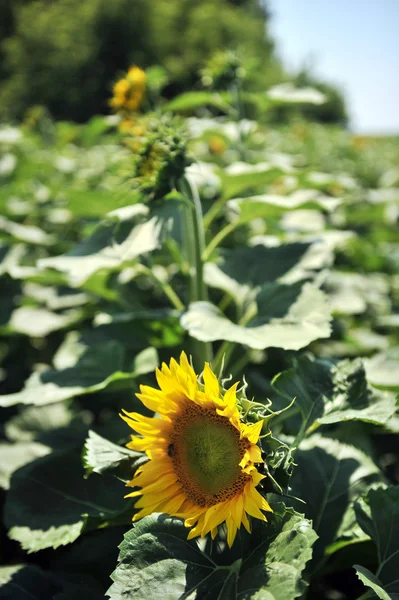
(218, 238)
(165, 287)
(195, 246)
(195, 240)
(176, 255)
(214, 211)
(225, 301)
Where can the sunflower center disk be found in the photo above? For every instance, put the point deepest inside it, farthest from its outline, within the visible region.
(206, 450)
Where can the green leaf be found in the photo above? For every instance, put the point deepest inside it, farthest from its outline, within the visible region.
(14, 456)
(99, 549)
(26, 233)
(287, 93)
(30, 423)
(157, 560)
(191, 101)
(289, 317)
(371, 581)
(55, 298)
(269, 205)
(30, 582)
(329, 477)
(145, 361)
(26, 582)
(326, 393)
(40, 322)
(382, 369)
(378, 515)
(83, 367)
(241, 271)
(101, 455)
(77, 587)
(49, 501)
(117, 242)
(239, 177)
(54, 425)
(354, 293)
(97, 203)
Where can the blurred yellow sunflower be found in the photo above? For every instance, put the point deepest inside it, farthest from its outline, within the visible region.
(128, 92)
(202, 457)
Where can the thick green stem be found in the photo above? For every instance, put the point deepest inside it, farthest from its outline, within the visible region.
(195, 247)
(195, 240)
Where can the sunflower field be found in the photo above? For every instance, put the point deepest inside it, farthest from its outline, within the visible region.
(231, 290)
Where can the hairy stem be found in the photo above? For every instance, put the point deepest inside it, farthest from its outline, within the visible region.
(195, 246)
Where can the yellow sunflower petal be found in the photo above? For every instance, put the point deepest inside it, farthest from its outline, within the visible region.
(245, 522)
(229, 408)
(252, 454)
(253, 509)
(149, 472)
(159, 486)
(230, 397)
(145, 426)
(196, 531)
(157, 497)
(252, 431)
(215, 515)
(237, 509)
(211, 382)
(156, 400)
(260, 500)
(231, 531)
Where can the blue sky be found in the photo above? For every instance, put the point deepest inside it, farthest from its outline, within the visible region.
(353, 43)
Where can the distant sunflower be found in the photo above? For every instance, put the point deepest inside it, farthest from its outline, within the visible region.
(201, 455)
(129, 91)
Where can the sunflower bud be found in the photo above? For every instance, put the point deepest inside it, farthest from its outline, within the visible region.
(222, 70)
(162, 158)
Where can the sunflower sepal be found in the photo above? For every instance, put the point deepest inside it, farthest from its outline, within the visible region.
(278, 465)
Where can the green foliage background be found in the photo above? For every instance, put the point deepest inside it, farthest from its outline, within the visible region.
(302, 275)
(66, 54)
(299, 298)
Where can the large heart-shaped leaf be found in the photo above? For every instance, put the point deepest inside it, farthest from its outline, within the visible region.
(289, 317)
(382, 369)
(329, 477)
(83, 367)
(118, 241)
(30, 582)
(271, 205)
(326, 393)
(244, 270)
(191, 101)
(84, 364)
(49, 501)
(157, 561)
(378, 515)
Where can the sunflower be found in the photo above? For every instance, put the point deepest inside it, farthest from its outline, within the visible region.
(129, 91)
(202, 456)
